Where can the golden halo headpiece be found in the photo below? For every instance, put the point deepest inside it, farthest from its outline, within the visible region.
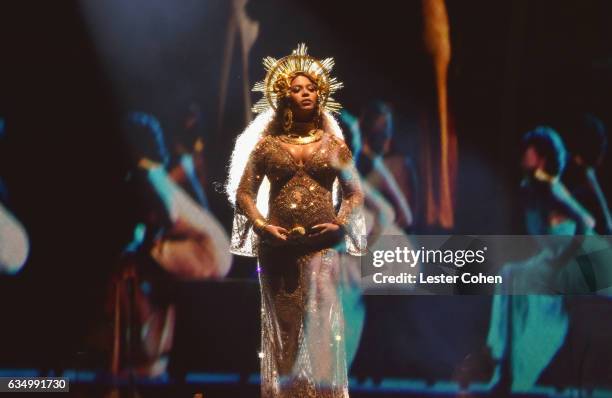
(279, 74)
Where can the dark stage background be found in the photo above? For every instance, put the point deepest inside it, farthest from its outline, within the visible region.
(69, 71)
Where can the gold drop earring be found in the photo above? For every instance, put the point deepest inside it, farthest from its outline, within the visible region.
(287, 120)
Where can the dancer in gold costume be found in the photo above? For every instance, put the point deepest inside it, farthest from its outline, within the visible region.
(297, 202)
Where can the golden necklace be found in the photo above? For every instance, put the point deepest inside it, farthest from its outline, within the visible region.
(301, 139)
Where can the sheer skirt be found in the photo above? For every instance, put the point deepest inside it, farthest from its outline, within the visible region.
(303, 350)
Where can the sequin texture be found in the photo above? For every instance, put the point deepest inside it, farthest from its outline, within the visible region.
(302, 322)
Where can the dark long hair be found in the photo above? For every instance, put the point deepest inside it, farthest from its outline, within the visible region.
(548, 144)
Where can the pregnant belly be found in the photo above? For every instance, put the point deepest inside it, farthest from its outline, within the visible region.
(301, 205)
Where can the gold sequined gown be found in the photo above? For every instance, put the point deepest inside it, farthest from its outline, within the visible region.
(302, 353)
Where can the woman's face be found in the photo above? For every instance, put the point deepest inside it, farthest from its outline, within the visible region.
(379, 134)
(303, 95)
(531, 160)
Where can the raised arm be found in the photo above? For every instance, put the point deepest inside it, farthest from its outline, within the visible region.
(574, 210)
(601, 199)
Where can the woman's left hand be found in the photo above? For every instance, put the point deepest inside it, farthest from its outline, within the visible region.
(327, 232)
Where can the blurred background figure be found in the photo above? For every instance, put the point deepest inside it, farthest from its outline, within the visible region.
(380, 216)
(189, 169)
(587, 145)
(549, 206)
(527, 330)
(390, 173)
(14, 243)
(175, 239)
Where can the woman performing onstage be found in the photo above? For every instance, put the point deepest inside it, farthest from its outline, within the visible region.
(297, 202)
(530, 321)
(175, 240)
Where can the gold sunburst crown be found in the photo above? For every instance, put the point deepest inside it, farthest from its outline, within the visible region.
(280, 73)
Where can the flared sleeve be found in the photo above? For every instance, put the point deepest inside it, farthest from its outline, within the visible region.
(350, 213)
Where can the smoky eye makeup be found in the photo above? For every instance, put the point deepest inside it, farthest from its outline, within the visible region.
(297, 88)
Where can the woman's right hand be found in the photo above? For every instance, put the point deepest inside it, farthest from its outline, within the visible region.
(274, 234)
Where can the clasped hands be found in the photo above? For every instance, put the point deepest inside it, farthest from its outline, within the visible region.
(324, 233)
